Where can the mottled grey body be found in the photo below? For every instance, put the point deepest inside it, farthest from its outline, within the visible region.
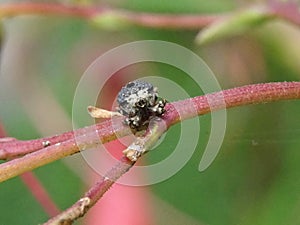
(139, 102)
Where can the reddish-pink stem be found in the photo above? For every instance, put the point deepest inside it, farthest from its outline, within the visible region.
(203, 104)
(283, 10)
(153, 20)
(31, 8)
(233, 97)
(40, 194)
(36, 187)
(14, 148)
(169, 21)
(250, 94)
(93, 195)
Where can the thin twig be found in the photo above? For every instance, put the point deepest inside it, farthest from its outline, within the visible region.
(137, 148)
(35, 8)
(154, 20)
(283, 10)
(12, 148)
(93, 195)
(245, 95)
(234, 97)
(40, 193)
(250, 94)
(36, 188)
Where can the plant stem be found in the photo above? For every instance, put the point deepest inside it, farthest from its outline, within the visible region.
(31, 8)
(250, 94)
(93, 195)
(78, 209)
(234, 97)
(36, 188)
(40, 193)
(12, 148)
(245, 95)
(283, 10)
(153, 20)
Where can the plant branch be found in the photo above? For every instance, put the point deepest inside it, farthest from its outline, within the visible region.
(93, 195)
(116, 18)
(32, 8)
(12, 148)
(250, 94)
(136, 150)
(233, 97)
(35, 187)
(245, 95)
(40, 193)
(96, 14)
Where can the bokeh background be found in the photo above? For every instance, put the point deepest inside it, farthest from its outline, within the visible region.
(255, 177)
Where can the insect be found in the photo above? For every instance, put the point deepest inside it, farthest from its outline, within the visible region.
(139, 102)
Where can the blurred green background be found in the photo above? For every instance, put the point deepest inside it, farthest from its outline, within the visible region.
(255, 177)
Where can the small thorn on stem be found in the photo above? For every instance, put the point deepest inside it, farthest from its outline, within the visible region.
(46, 143)
(101, 113)
(132, 154)
(135, 150)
